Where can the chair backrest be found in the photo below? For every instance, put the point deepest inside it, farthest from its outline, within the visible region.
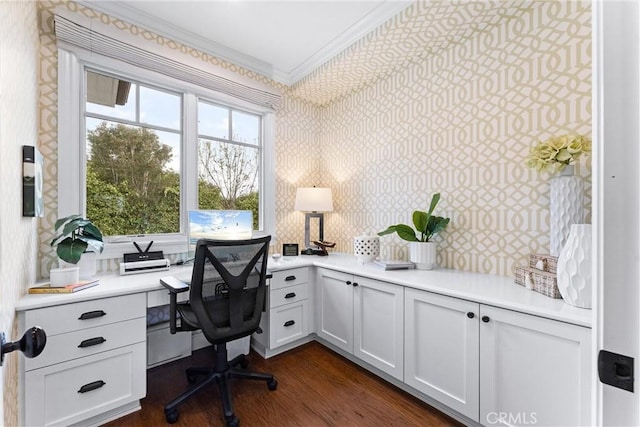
(227, 291)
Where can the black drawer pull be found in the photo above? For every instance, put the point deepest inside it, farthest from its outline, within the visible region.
(485, 319)
(471, 315)
(289, 278)
(92, 315)
(289, 323)
(348, 282)
(290, 295)
(91, 386)
(91, 341)
(355, 284)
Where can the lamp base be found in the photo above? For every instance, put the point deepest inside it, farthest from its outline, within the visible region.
(310, 251)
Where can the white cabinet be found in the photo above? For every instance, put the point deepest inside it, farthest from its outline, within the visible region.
(364, 317)
(497, 366)
(534, 371)
(441, 349)
(288, 315)
(93, 366)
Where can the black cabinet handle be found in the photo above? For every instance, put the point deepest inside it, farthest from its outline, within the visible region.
(289, 278)
(348, 282)
(289, 323)
(355, 284)
(91, 341)
(91, 386)
(485, 319)
(92, 315)
(290, 295)
(471, 315)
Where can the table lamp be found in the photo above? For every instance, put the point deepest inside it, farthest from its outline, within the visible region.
(313, 201)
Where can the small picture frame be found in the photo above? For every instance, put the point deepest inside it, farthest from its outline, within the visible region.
(289, 249)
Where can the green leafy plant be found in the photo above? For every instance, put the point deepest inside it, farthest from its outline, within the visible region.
(76, 234)
(557, 152)
(426, 225)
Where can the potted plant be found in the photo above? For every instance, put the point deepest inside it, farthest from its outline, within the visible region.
(75, 236)
(422, 250)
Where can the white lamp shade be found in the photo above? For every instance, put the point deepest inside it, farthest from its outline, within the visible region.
(314, 199)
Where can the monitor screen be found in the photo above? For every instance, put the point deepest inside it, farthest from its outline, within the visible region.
(220, 225)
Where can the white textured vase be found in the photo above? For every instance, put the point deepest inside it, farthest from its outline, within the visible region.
(566, 206)
(574, 267)
(423, 255)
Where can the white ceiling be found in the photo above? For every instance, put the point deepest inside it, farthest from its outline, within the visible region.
(285, 40)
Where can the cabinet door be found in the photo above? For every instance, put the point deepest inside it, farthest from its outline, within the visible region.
(378, 324)
(335, 308)
(441, 349)
(533, 370)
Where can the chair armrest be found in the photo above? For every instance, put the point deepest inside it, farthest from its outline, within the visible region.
(174, 285)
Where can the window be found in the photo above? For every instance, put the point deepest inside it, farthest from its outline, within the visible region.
(144, 148)
(229, 153)
(133, 146)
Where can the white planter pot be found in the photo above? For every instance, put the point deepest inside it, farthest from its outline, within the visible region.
(574, 267)
(64, 276)
(366, 248)
(423, 255)
(87, 265)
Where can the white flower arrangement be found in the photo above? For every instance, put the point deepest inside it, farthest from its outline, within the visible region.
(557, 152)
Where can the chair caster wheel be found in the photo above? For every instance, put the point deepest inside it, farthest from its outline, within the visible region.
(272, 384)
(233, 421)
(171, 416)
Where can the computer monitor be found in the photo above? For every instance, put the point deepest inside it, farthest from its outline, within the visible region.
(220, 225)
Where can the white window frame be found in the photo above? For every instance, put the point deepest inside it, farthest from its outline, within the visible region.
(72, 63)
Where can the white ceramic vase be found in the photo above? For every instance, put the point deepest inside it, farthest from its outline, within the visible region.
(566, 207)
(87, 265)
(574, 267)
(423, 255)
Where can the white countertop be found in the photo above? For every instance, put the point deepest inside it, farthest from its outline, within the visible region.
(497, 291)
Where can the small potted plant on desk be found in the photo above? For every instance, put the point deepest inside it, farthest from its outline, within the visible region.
(422, 250)
(76, 235)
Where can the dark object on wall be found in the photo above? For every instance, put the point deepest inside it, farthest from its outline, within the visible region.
(289, 249)
(31, 344)
(32, 181)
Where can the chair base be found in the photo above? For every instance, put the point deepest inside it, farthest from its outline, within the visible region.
(222, 377)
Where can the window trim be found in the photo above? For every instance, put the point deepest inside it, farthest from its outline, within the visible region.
(72, 63)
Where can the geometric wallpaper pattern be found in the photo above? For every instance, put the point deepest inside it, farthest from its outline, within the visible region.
(461, 123)
(445, 97)
(424, 29)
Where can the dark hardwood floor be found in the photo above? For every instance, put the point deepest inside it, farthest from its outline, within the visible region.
(316, 387)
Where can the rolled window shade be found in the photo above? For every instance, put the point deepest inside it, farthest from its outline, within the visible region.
(99, 38)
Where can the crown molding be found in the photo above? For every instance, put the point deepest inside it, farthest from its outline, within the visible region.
(127, 13)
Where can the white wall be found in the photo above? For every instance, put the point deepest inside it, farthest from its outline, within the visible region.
(19, 52)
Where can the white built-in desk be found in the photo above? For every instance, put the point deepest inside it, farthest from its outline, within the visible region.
(475, 346)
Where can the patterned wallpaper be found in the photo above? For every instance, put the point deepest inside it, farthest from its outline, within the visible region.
(18, 126)
(424, 29)
(460, 123)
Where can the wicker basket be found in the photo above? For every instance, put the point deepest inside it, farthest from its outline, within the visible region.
(549, 262)
(543, 282)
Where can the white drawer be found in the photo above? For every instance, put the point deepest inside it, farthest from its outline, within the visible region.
(87, 314)
(288, 295)
(292, 277)
(289, 323)
(85, 342)
(53, 394)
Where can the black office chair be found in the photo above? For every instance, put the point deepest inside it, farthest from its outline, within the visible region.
(226, 298)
